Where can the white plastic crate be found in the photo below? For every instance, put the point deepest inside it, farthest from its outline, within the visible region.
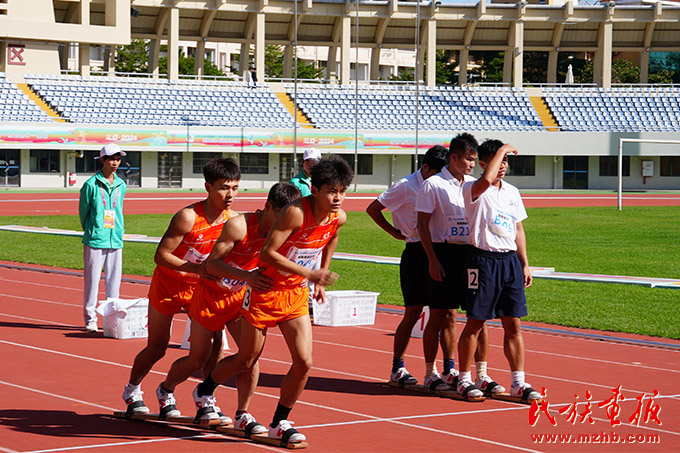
(125, 319)
(346, 308)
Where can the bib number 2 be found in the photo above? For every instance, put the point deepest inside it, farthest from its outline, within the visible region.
(473, 278)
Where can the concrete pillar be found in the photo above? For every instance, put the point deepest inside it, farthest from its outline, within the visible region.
(173, 45)
(644, 67)
(507, 66)
(259, 46)
(604, 47)
(199, 58)
(288, 52)
(552, 66)
(375, 63)
(345, 46)
(332, 64)
(154, 55)
(463, 57)
(431, 40)
(84, 59)
(518, 54)
(244, 59)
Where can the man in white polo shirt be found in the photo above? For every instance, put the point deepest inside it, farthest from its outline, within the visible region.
(497, 267)
(400, 199)
(444, 234)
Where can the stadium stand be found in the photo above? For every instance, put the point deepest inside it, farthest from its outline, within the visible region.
(121, 100)
(442, 107)
(630, 109)
(16, 106)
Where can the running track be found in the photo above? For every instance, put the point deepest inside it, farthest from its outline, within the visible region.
(59, 385)
(66, 203)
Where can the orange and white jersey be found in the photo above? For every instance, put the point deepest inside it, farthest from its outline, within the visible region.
(304, 246)
(244, 255)
(197, 244)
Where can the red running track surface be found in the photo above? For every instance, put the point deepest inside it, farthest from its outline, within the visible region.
(59, 386)
(66, 203)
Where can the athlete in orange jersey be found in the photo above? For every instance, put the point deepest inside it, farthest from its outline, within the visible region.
(180, 260)
(304, 230)
(216, 303)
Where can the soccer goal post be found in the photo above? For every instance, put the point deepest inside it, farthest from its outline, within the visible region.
(620, 164)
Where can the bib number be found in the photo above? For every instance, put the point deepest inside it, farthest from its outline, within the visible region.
(194, 256)
(303, 257)
(473, 278)
(502, 225)
(458, 229)
(109, 218)
(233, 284)
(246, 300)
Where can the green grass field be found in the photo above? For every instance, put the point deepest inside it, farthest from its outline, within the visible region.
(639, 241)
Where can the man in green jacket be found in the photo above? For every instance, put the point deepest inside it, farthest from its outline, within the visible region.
(101, 216)
(303, 180)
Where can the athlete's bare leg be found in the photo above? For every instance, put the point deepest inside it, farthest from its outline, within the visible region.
(402, 335)
(246, 381)
(298, 335)
(156, 345)
(201, 348)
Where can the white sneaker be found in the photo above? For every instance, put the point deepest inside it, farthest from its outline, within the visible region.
(489, 386)
(246, 422)
(468, 390)
(226, 420)
(167, 403)
(283, 428)
(91, 327)
(403, 377)
(205, 406)
(434, 382)
(451, 379)
(135, 402)
(525, 392)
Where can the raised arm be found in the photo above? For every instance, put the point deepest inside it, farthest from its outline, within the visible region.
(491, 171)
(375, 211)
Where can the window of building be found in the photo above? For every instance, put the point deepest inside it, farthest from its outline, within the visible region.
(88, 163)
(254, 163)
(609, 166)
(200, 159)
(130, 169)
(670, 166)
(364, 164)
(521, 165)
(44, 161)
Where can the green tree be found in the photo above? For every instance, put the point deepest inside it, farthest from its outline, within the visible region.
(663, 76)
(187, 65)
(624, 71)
(134, 57)
(273, 65)
(491, 67)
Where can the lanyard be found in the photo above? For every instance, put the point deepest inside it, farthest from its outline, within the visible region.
(115, 196)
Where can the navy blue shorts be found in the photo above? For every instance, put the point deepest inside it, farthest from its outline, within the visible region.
(495, 285)
(449, 293)
(413, 274)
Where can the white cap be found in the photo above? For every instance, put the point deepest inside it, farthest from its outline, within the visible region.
(109, 150)
(312, 153)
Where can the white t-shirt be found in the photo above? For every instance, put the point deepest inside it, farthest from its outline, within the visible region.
(493, 217)
(441, 195)
(400, 199)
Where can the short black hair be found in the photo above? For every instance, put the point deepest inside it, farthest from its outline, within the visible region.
(462, 144)
(436, 157)
(332, 170)
(282, 193)
(488, 149)
(221, 168)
